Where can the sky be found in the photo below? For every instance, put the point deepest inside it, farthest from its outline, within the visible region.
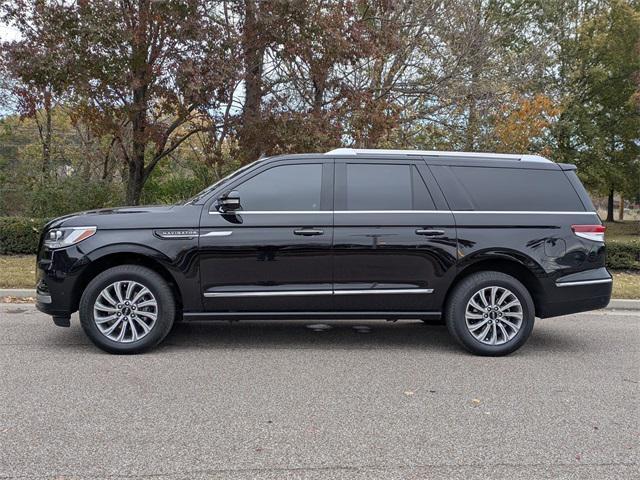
(8, 33)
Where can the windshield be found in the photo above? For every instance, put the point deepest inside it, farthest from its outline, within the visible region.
(234, 174)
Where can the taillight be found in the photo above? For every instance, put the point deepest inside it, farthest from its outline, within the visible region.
(590, 232)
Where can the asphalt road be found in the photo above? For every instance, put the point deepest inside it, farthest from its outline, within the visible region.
(276, 400)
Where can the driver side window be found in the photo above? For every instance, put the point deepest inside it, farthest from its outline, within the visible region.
(283, 188)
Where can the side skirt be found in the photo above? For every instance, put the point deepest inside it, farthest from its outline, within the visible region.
(231, 316)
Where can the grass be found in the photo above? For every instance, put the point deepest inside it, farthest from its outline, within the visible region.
(627, 230)
(626, 285)
(18, 271)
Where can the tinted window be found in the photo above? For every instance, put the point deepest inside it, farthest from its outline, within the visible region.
(386, 187)
(287, 187)
(517, 189)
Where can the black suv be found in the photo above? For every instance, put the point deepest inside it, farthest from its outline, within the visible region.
(483, 242)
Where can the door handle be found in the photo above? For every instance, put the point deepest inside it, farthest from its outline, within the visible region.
(308, 232)
(429, 233)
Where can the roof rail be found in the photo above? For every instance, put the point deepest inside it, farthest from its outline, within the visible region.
(437, 153)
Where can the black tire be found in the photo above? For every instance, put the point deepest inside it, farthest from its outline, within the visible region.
(457, 305)
(166, 309)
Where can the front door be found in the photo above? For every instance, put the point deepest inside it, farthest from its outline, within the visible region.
(394, 246)
(275, 253)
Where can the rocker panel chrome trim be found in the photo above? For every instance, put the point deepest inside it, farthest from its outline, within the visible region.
(318, 292)
(583, 282)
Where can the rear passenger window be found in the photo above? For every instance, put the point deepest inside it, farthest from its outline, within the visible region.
(378, 186)
(511, 189)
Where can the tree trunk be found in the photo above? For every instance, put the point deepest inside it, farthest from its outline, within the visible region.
(138, 115)
(253, 53)
(135, 182)
(46, 144)
(610, 206)
(621, 210)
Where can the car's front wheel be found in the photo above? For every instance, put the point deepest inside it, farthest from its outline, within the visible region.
(127, 309)
(490, 313)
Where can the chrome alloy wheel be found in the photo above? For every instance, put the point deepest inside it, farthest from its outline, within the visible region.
(125, 311)
(494, 315)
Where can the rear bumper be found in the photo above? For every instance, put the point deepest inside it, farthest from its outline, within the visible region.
(578, 292)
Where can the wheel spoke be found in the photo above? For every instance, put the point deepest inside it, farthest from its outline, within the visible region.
(150, 315)
(107, 296)
(475, 304)
(144, 326)
(104, 308)
(505, 335)
(512, 303)
(513, 326)
(118, 289)
(476, 326)
(517, 315)
(146, 303)
(484, 332)
(130, 287)
(483, 297)
(140, 294)
(134, 333)
(503, 297)
(102, 320)
(112, 327)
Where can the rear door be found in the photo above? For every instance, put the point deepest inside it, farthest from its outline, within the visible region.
(394, 237)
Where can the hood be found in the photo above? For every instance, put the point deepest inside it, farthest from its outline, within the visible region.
(161, 216)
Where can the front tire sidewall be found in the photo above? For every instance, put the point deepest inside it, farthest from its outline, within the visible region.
(456, 322)
(158, 287)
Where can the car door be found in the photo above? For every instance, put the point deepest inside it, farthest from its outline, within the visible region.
(394, 237)
(274, 253)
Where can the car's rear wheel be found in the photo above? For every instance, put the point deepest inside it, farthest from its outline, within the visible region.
(490, 313)
(127, 309)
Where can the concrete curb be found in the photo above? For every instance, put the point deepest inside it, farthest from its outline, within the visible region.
(17, 292)
(615, 304)
(623, 304)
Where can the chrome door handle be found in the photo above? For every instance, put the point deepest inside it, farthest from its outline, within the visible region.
(307, 232)
(429, 233)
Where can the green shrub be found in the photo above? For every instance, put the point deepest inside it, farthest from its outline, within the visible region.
(20, 235)
(70, 195)
(623, 254)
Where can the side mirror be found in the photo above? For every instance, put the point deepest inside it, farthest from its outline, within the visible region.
(229, 202)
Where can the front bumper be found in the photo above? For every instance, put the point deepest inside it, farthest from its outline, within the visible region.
(58, 272)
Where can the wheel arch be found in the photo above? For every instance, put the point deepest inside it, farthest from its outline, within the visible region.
(134, 255)
(524, 270)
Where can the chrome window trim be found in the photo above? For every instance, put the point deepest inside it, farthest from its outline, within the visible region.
(583, 282)
(291, 293)
(516, 212)
(271, 212)
(455, 212)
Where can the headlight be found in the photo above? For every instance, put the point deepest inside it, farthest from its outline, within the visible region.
(66, 236)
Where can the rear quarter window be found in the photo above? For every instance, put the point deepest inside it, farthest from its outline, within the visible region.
(507, 189)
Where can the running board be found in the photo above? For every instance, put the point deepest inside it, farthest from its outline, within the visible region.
(199, 316)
